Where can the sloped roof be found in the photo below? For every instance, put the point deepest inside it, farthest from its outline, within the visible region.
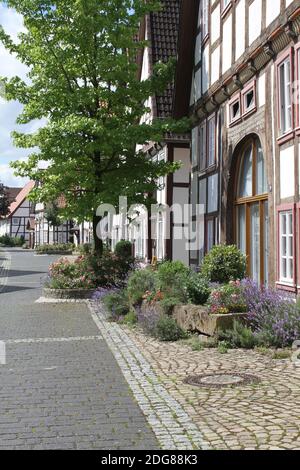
(12, 193)
(186, 53)
(164, 38)
(164, 26)
(22, 195)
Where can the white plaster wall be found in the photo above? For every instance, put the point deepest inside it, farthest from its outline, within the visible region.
(255, 17)
(240, 13)
(215, 24)
(287, 173)
(183, 174)
(215, 65)
(205, 69)
(272, 10)
(227, 44)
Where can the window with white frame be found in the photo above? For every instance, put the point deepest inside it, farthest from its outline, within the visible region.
(204, 18)
(285, 98)
(211, 233)
(249, 98)
(286, 246)
(15, 220)
(235, 109)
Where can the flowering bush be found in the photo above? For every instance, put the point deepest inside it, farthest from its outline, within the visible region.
(65, 274)
(89, 272)
(274, 317)
(142, 283)
(228, 299)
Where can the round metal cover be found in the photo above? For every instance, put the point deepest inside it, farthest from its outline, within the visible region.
(221, 380)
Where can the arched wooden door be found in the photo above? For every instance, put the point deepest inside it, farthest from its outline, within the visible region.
(251, 209)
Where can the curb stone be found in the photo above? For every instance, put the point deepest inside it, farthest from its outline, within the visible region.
(172, 426)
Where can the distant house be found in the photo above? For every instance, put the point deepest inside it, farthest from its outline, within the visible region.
(158, 235)
(20, 213)
(47, 232)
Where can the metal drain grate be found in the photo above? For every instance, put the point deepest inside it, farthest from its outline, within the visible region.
(221, 380)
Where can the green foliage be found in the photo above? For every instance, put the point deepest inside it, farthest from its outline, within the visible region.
(55, 248)
(141, 282)
(6, 240)
(117, 303)
(52, 214)
(4, 202)
(223, 347)
(168, 330)
(168, 303)
(224, 264)
(173, 276)
(197, 289)
(85, 249)
(130, 318)
(239, 337)
(123, 249)
(84, 83)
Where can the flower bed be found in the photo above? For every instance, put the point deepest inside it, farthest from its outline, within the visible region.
(86, 273)
(56, 249)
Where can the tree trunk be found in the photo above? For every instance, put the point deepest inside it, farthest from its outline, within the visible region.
(98, 243)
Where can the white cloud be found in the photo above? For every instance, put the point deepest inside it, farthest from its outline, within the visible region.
(12, 23)
(8, 178)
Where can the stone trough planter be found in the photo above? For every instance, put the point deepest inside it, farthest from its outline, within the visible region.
(196, 318)
(68, 293)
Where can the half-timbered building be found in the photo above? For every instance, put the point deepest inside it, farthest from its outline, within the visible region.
(238, 67)
(21, 212)
(158, 235)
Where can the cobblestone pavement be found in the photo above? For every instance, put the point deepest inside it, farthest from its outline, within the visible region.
(172, 425)
(261, 416)
(61, 387)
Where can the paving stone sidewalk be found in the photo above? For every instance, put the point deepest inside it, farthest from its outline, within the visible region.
(263, 416)
(61, 387)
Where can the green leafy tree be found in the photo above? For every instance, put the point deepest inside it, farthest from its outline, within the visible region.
(4, 201)
(84, 82)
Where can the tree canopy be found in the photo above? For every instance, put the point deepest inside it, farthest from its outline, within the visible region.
(84, 83)
(4, 201)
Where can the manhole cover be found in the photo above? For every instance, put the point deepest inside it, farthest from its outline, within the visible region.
(221, 380)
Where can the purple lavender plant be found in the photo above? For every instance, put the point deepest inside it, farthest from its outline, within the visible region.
(102, 292)
(148, 319)
(273, 315)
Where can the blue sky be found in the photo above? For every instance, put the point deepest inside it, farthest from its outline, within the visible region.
(9, 66)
